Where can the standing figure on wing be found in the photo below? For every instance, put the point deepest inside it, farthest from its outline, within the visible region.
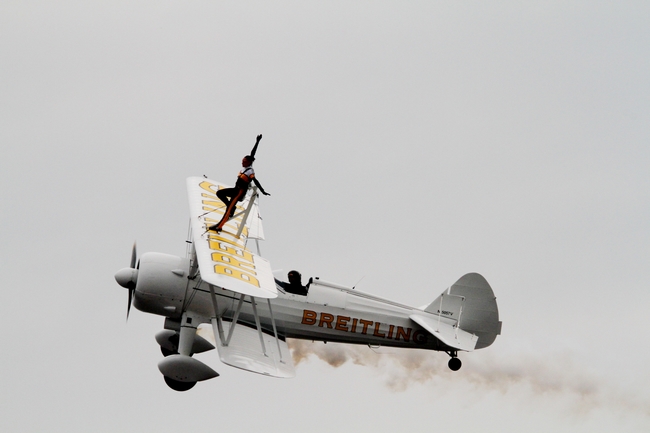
(231, 196)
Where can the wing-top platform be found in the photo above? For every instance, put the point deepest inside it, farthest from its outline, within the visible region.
(223, 259)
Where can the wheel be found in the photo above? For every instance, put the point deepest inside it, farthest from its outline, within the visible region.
(454, 364)
(179, 386)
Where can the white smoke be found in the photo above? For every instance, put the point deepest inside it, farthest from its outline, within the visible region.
(552, 375)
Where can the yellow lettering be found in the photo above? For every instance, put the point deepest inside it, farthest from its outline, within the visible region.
(204, 195)
(309, 317)
(349, 324)
(230, 260)
(326, 319)
(236, 273)
(208, 186)
(377, 333)
(365, 324)
(404, 333)
(222, 246)
(341, 323)
(213, 206)
(214, 237)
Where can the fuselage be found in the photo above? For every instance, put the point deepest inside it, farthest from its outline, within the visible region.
(328, 313)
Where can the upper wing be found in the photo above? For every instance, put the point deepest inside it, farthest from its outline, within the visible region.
(223, 258)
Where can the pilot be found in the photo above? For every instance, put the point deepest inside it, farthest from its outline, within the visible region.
(294, 285)
(231, 196)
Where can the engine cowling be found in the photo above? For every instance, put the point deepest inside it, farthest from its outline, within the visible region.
(161, 284)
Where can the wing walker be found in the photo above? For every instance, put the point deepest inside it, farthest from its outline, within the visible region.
(223, 283)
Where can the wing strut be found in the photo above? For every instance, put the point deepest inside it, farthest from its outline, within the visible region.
(275, 330)
(254, 196)
(234, 320)
(240, 349)
(217, 325)
(257, 323)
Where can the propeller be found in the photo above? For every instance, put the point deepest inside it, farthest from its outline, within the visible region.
(128, 278)
(134, 255)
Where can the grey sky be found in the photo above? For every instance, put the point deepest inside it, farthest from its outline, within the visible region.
(404, 143)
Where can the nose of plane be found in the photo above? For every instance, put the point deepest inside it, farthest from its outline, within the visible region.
(127, 277)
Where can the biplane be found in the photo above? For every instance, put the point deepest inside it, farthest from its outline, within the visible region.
(222, 283)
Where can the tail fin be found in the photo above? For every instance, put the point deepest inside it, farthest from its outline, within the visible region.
(471, 302)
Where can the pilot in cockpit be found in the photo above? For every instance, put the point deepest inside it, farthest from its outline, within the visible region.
(294, 285)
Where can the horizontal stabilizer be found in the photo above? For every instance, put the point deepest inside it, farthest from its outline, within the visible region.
(450, 335)
(244, 350)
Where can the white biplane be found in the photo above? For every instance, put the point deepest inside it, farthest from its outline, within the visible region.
(223, 283)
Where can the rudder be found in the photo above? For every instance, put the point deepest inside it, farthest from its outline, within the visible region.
(471, 302)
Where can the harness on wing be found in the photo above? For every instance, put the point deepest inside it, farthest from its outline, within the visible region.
(244, 178)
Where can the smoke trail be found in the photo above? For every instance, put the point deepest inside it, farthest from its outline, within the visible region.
(553, 375)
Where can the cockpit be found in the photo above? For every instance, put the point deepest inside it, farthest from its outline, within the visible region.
(294, 286)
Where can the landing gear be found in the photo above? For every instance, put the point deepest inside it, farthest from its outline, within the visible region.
(454, 363)
(180, 370)
(177, 385)
(167, 352)
(171, 342)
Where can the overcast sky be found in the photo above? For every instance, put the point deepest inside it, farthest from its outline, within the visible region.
(405, 144)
